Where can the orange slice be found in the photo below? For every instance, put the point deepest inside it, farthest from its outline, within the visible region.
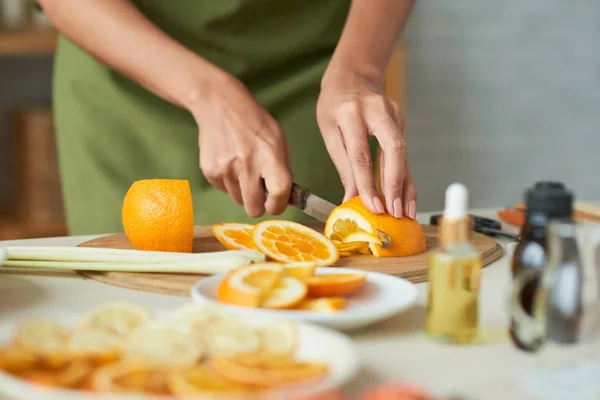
(286, 294)
(323, 305)
(234, 236)
(352, 246)
(300, 270)
(231, 337)
(279, 339)
(334, 285)
(14, 360)
(287, 242)
(248, 286)
(41, 336)
(119, 318)
(130, 377)
(204, 381)
(362, 236)
(269, 373)
(352, 216)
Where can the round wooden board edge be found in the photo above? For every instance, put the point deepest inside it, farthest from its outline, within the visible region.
(147, 282)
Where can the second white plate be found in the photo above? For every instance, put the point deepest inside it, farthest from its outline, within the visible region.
(381, 297)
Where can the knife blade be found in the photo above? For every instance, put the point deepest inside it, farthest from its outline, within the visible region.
(319, 208)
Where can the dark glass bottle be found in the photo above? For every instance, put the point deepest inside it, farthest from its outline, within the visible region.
(545, 201)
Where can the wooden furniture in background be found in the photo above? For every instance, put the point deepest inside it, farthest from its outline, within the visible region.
(37, 207)
(30, 40)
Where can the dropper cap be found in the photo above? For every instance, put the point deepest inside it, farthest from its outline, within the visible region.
(455, 224)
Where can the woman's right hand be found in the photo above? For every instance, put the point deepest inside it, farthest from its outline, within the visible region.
(240, 146)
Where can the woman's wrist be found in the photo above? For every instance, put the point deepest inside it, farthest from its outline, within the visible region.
(351, 73)
(210, 83)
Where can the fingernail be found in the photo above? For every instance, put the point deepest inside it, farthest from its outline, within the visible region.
(398, 208)
(378, 205)
(413, 209)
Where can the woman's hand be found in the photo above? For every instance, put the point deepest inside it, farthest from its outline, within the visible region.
(349, 111)
(240, 146)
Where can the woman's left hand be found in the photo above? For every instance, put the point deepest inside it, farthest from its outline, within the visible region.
(349, 111)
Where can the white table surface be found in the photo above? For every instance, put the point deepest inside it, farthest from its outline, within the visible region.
(396, 349)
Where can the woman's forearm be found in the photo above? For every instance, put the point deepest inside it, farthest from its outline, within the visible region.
(116, 33)
(370, 34)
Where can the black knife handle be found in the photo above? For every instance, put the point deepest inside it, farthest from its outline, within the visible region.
(477, 221)
(298, 195)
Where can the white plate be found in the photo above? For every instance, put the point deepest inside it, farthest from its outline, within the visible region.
(315, 344)
(381, 297)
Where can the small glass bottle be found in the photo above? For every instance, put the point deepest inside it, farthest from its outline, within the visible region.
(545, 201)
(454, 275)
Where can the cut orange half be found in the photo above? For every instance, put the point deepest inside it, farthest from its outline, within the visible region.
(333, 285)
(270, 373)
(323, 305)
(234, 236)
(248, 286)
(353, 217)
(362, 236)
(288, 242)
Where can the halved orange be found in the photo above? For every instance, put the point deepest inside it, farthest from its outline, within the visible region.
(352, 216)
(333, 285)
(270, 373)
(323, 305)
(288, 242)
(234, 236)
(248, 285)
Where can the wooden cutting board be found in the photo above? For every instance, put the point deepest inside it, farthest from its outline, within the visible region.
(412, 268)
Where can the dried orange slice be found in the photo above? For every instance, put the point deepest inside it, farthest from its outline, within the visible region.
(286, 294)
(288, 242)
(234, 236)
(300, 270)
(119, 318)
(41, 336)
(15, 360)
(130, 377)
(248, 286)
(162, 347)
(203, 381)
(98, 345)
(334, 285)
(352, 216)
(269, 373)
(323, 305)
(279, 338)
(231, 337)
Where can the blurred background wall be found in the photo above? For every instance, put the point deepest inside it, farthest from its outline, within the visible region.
(499, 94)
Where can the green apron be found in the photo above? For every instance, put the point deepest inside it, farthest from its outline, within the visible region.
(112, 132)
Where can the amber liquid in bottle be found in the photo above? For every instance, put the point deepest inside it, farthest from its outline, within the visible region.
(530, 254)
(453, 306)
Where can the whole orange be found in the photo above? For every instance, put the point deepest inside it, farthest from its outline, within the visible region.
(158, 215)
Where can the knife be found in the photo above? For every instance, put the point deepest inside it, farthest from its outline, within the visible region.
(318, 208)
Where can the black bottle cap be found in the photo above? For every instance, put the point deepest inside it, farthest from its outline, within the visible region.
(549, 185)
(553, 202)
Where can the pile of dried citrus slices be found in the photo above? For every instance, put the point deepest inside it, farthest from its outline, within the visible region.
(121, 348)
(288, 286)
